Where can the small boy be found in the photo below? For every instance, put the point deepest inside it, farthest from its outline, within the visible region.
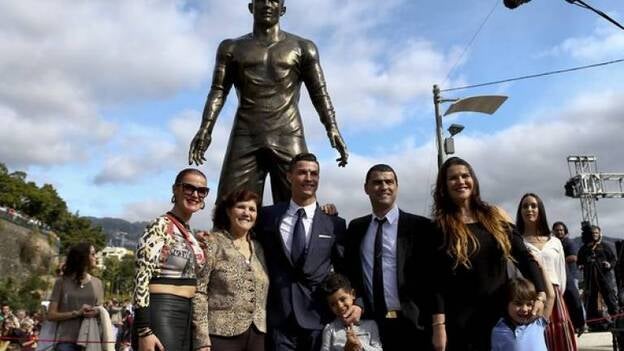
(336, 335)
(518, 330)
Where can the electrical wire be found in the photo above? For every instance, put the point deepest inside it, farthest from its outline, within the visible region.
(584, 5)
(535, 75)
(474, 36)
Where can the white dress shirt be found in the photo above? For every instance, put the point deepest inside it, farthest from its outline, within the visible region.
(389, 258)
(287, 226)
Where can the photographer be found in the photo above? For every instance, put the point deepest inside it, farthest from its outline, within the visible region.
(597, 260)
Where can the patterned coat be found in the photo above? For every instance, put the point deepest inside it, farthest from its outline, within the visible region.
(231, 292)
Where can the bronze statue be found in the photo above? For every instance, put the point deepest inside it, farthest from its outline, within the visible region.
(267, 68)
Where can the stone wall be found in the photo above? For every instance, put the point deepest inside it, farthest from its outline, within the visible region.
(24, 251)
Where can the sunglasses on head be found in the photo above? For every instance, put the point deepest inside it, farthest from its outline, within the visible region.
(189, 189)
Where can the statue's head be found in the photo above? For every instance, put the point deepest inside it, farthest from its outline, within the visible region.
(267, 12)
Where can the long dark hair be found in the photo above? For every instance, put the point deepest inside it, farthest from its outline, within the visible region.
(220, 219)
(77, 261)
(460, 241)
(542, 221)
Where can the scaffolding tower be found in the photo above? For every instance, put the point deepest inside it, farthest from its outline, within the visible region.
(589, 185)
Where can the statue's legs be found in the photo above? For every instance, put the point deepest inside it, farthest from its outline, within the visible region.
(246, 166)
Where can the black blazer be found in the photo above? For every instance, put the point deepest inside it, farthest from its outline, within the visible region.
(414, 254)
(295, 289)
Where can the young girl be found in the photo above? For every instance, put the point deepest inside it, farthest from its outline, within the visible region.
(337, 336)
(519, 330)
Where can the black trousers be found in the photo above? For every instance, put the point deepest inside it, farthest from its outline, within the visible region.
(598, 283)
(170, 320)
(251, 340)
(400, 334)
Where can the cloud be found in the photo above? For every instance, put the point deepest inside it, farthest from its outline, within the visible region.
(606, 42)
(530, 156)
(151, 151)
(63, 63)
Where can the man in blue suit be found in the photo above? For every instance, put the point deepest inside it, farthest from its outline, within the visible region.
(301, 245)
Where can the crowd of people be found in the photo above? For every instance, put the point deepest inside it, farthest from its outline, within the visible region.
(20, 330)
(23, 219)
(295, 276)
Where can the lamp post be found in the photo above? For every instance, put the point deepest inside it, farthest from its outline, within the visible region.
(483, 104)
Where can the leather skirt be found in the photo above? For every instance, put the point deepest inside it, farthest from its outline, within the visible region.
(171, 322)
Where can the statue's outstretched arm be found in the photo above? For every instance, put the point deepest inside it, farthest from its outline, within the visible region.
(221, 85)
(314, 80)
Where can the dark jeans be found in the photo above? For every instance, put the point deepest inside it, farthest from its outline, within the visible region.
(598, 283)
(251, 340)
(291, 337)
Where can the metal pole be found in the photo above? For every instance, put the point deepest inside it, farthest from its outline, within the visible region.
(439, 131)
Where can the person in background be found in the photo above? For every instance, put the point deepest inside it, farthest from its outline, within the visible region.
(229, 308)
(7, 314)
(22, 316)
(75, 295)
(168, 258)
(337, 336)
(571, 295)
(28, 340)
(475, 243)
(8, 334)
(597, 260)
(532, 223)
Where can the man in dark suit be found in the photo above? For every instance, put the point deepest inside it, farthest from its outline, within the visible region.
(301, 245)
(387, 258)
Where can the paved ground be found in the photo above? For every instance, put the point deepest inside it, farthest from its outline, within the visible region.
(595, 342)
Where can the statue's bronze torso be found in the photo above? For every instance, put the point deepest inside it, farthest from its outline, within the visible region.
(267, 80)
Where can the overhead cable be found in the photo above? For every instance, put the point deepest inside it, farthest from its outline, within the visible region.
(535, 75)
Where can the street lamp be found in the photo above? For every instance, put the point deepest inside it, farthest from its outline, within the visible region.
(449, 143)
(483, 104)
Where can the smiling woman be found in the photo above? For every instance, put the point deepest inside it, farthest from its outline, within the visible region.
(168, 258)
(475, 242)
(229, 308)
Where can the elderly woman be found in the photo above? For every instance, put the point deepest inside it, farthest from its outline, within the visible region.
(533, 225)
(475, 243)
(167, 260)
(74, 296)
(229, 308)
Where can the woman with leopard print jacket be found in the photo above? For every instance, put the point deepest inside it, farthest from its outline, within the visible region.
(168, 258)
(229, 309)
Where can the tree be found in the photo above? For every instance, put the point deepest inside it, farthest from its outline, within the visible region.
(118, 276)
(26, 294)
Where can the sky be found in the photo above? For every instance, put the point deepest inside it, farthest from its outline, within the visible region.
(102, 98)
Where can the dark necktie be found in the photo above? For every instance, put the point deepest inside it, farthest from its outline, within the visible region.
(298, 246)
(379, 300)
